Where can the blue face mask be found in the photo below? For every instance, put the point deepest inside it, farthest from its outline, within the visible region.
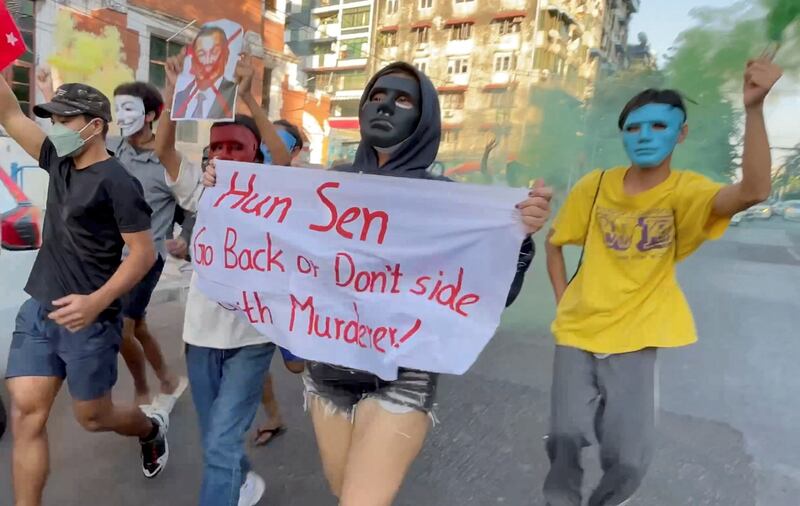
(651, 132)
(288, 140)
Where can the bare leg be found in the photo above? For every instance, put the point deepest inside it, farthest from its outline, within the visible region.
(152, 350)
(101, 415)
(274, 423)
(334, 432)
(383, 447)
(134, 358)
(31, 401)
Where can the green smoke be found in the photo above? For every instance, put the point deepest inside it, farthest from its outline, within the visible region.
(782, 13)
(706, 66)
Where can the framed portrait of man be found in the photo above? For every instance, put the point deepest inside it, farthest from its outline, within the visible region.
(206, 89)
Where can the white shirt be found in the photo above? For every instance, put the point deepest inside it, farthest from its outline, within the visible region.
(206, 323)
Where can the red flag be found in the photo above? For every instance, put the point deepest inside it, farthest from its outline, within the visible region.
(11, 44)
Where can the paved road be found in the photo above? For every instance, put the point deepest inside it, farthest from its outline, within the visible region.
(728, 423)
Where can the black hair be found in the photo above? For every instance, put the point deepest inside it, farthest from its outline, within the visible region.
(243, 120)
(293, 131)
(210, 30)
(652, 96)
(153, 102)
(88, 118)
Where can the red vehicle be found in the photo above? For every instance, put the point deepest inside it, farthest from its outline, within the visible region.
(20, 221)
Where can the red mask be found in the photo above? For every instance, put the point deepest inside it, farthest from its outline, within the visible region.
(209, 58)
(233, 142)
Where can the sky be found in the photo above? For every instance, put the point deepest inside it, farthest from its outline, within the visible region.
(663, 20)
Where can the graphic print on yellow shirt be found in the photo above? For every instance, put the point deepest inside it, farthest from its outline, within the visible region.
(625, 296)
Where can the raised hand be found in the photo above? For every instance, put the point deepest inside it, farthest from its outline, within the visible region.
(44, 81)
(174, 67)
(244, 75)
(759, 78)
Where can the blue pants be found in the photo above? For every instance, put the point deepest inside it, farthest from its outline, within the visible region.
(226, 387)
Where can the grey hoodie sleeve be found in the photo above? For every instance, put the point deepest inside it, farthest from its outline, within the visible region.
(526, 253)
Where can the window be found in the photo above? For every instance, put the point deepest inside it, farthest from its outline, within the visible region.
(461, 31)
(353, 19)
(425, 4)
(457, 66)
(271, 5)
(451, 136)
(500, 99)
(160, 50)
(352, 48)
(20, 73)
(351, 80)
(266, 88)
(503, 62)
(321, 48)
(423, 34)
(464, 1)
(503, 116)
(392, 6)
(452, 100)
(330, 19)
(508, 25)
(422, 66)
(387, 39)
(346, 108)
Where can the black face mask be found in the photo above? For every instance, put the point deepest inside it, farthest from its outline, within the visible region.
(392, 112)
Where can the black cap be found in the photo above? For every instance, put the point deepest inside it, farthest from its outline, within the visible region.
(74, 99)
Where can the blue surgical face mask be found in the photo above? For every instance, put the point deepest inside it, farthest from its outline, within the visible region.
(288, 140)
(67, 141)
(651, 132)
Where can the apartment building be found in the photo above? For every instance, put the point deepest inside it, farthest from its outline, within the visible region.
(490, 58)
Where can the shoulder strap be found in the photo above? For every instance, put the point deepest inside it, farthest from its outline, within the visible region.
(588, 224)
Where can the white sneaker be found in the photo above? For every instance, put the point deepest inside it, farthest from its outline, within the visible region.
(252, 490)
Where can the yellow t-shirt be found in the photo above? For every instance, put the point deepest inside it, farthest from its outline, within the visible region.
(626, 296)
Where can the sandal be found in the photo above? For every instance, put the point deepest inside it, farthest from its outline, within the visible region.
(271, 434)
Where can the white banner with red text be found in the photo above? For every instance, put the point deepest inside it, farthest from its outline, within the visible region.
(368, 272)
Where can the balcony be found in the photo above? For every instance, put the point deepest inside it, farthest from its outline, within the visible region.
(453, 116)
(390, 53)
(462, 9)
(319, 61)
(458, 79)
(502, 77)
(328, 31)
(513, 4)
(509, 42)
(460, 47)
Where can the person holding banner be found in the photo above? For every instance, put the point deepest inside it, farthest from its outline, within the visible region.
(635, 223)
(70, 328)
(226, 357)
(370, 430)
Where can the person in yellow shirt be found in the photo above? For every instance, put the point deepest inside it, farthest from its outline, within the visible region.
(635, 224)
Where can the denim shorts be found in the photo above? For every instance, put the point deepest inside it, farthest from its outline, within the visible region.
(87, 358)
(135, 302)
(340, 389)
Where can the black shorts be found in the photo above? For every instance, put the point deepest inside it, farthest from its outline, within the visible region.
(341, 389)
(134, 304)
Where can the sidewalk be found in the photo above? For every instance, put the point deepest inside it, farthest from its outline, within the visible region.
(174, 283)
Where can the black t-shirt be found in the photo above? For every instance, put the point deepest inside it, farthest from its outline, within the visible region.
(87, 211)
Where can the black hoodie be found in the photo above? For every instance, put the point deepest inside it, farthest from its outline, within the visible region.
(414, 155)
